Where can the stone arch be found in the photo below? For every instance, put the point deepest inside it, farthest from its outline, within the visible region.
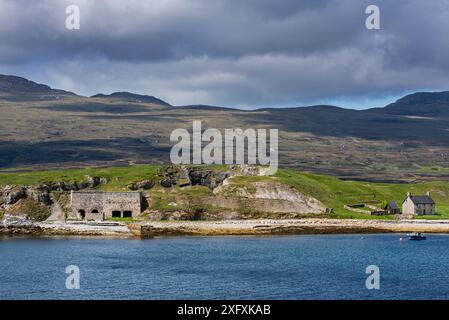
(94, 211)
(82, 213)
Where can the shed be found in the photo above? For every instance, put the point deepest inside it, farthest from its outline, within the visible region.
(392, 208)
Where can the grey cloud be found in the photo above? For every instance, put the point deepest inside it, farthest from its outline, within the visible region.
(138, 30)
(225, 52)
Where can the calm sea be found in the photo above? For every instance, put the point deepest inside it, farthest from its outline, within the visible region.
(287, 267)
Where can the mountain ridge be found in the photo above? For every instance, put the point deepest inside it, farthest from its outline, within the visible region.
(18, 88)
(420, 104)
(413, 104)
(132, 97)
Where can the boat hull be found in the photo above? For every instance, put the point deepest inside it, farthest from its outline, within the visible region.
(417, 238)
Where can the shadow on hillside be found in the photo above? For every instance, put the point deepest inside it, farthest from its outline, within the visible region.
(14, 154)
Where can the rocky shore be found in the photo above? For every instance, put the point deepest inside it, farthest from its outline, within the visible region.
(219, 228)
(21, 226)
(301, 226)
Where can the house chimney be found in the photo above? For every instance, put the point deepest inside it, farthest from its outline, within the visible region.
(408, 194)
(428, 193)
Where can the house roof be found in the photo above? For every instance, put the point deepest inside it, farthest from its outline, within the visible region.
(422, 200)
(392, 205)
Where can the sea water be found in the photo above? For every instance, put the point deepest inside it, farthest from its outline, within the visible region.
(274, 267)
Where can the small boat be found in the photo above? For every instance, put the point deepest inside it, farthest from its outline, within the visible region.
(416, 236)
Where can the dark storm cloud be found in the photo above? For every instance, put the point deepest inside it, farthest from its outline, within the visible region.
(226, 52)
(167, 30)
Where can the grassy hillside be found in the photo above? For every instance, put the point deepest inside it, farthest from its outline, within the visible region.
(332, 191)
(335, 192)
(406, 141)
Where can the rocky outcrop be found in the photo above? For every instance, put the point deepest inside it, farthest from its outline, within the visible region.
(10, 195)
(20, 225)
(168, 183)
(25, 199)
(207, 178)
(173, 175)
(15, 221)
(13, 194)
(93, 182)
(268, 196)
(43, 196)
(236, 198)
(89, 182)
(191, 176)
(248, 170)
(142, 185)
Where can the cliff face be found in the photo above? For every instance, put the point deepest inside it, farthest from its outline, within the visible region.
(268, 196)
(25, 201)
(289, 199)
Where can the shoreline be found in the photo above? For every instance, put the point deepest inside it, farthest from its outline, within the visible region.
(264, 227)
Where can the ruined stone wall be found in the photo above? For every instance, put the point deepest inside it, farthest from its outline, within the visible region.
(94, 205)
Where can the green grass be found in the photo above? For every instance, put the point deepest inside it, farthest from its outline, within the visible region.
(214, 167)
(121, 219)
(16, 169)
(190, 199)
(118, 177)
(335, 193)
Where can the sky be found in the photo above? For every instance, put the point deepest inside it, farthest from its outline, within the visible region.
(245, 53)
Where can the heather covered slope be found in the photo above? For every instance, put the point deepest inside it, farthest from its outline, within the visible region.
(46, 128)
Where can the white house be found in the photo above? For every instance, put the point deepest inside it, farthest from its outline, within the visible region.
(418, 205)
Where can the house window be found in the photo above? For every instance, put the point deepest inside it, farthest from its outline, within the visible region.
(82, 213)
(127, 214)
(95, 211)
(116, 214)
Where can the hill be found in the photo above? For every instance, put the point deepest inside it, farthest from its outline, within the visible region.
(131, 97)
(425, 104)
(14, 88)
(45, 128)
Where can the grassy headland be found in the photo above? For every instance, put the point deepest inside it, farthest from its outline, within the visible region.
(331, 191)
